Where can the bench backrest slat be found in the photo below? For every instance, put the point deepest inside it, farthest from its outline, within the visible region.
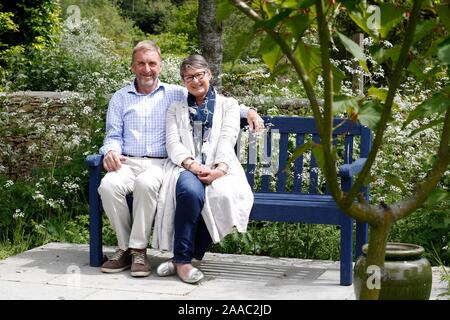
(313, 172)
(251, 159)
(298, 165)
(366, 142)
(348, 149)
(266, 154)
(283, 157)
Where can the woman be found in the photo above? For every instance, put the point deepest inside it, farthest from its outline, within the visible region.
(206, 189)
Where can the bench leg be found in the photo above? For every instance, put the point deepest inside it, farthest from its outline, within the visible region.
(346, 257)
(95, 230)
(361, 236)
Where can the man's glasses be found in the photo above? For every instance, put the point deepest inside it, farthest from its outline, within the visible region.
(198, 76)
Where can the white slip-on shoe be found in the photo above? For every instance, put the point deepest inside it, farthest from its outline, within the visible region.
(166, 269)
(193, 277)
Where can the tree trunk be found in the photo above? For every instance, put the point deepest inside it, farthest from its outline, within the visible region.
(375, 258)
(210, 38)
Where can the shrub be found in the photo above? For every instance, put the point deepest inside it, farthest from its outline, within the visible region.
(111, 24)
(83, 61)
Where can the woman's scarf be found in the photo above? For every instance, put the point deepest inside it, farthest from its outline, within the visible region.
(201, 118)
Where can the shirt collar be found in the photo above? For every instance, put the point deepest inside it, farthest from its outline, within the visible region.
(132, 88)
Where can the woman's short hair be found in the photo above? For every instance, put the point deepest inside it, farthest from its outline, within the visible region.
(194, 61)
(146, 45)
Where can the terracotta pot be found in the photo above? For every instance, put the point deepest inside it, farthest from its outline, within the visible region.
(406, 274)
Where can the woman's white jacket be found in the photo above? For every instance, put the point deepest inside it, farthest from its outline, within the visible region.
(229, 199)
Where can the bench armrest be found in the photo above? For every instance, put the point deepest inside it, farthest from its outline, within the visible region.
(94, 164)
(94, 160)
(352, 169)
(348, 171)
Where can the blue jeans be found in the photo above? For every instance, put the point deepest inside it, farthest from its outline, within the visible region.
(191, 235)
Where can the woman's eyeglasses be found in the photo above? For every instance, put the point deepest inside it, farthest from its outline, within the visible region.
(198, 76)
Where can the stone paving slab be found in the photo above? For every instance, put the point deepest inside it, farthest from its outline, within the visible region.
(60, 271)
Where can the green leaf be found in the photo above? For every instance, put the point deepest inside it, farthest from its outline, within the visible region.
(444, 51)
(381, 94)
(297, 153)
(391, 15)
(344, 104)
(7, 23)
(377, 21)
(338, 76)
(354, 49)
(306, 3)
(270, 52)
(273, 22)
(268, 8)
(377, 93)
(373, 18)
(382, 55)
(423, 29)
(369, 114)
(436, 196)
(317, 150)
(309, 56)
(443, 11)
(298, 24)
(437, 104)
(224, 9)
(360, 21)
(395, 181)
(296, 4)
(291, 4)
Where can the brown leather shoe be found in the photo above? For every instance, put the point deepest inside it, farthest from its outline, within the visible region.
(119, 261)
(140, 267)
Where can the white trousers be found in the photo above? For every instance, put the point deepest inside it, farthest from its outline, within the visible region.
(142, 177)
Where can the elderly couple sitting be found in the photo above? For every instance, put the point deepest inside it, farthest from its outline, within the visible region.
(174, 150)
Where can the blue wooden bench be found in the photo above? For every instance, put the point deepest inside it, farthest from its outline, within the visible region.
(292, 195)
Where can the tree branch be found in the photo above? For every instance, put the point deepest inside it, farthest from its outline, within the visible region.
(394, 82)
(372, 214)
(326, 138)
(242, 6)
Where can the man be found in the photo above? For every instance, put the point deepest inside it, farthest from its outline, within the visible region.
(134, 153)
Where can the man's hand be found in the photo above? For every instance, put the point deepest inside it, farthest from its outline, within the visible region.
(255, 122)
(113, 161)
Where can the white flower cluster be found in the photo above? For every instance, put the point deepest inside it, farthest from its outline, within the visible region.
(9, 183)
(38, 195)
(403, 155)
(18, 214)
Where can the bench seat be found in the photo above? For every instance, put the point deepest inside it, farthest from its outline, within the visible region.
(272, 201)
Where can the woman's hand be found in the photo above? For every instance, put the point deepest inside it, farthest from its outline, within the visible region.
(207, 175)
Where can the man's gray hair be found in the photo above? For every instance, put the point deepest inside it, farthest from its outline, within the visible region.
(194, 61)
(146, 45)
